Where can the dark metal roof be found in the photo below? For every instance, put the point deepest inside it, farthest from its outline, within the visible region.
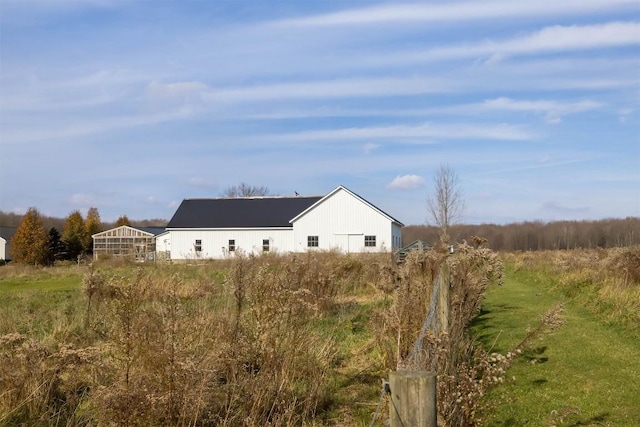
(7, 232)
(151, 230)
(239, 212)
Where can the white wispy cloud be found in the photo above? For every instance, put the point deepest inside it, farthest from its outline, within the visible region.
(68, 130)
(334, 88)
(22, 13)
(556, 38)
(26, 90)
(554, 110)
(455, 11)
(540, 165)
(177, 89)
(406, 182)
(414, 134)
(370, 147)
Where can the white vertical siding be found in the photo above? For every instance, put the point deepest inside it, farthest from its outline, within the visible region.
(3, 248)
(163, 242)
(215, 243)
(341, 222)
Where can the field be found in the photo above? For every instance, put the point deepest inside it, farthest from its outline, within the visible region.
(583, 371)
(307, 340)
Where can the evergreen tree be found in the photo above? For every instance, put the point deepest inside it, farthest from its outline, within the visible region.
(92, 225)
(30, 243)
(123, 220)
(74, 235)
(57, 248)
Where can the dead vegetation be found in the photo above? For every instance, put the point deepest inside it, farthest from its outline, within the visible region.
(271, 340)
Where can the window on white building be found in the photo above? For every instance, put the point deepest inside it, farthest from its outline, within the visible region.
(197, 246)
(312, 241)
(370, 241)
(265, 245)
(232, 245)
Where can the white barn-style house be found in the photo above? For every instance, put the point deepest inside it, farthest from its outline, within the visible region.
(219, 228)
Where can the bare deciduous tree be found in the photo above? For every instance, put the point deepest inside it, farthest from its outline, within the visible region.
(446, 205)
(246, 190)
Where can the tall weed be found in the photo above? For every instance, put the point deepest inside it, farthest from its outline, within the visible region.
(606, 281)
(427, 338)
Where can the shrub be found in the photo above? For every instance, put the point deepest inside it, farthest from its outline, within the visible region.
(419, 333)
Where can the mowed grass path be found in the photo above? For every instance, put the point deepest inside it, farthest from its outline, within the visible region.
(585, 373)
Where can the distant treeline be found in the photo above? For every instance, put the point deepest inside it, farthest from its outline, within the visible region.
(523, 236)
(10, 219)
(538, 235)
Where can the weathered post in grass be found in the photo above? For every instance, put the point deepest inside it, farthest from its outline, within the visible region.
(413, 399)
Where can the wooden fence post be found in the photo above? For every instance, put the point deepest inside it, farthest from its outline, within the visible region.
(413, 399)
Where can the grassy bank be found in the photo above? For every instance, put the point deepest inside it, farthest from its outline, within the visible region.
(583, 373)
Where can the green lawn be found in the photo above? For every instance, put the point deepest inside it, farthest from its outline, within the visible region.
(41, 280)
(40, 303)
(585, 373)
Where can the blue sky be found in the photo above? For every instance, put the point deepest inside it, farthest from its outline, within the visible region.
(132, 105)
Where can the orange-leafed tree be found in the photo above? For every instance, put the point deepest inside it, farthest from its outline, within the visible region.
(92, 225)
(73, 234)
(123, 220)
(29, 244)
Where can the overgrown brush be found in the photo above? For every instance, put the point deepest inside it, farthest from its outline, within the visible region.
(44, 384)
(237, 343)
(607, 281)
(187, 345)
(428, 337)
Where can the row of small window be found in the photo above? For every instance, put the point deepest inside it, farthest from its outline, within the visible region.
(232, 245)
(312, 242)
(369, 241)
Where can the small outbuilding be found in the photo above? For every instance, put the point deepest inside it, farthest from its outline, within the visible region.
(137, 243)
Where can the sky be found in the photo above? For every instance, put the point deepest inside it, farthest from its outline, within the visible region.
(131, 106)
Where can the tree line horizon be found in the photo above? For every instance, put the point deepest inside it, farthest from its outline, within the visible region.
(43, 239)
(32, 243)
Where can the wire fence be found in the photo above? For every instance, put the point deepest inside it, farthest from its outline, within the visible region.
(418, 357)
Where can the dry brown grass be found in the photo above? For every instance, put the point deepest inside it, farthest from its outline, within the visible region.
(464, 370)
(242, 342)
(187, 345)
